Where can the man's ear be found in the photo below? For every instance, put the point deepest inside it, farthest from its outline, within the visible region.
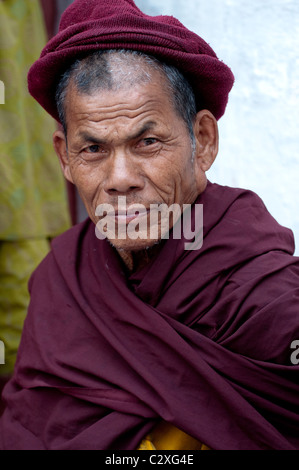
(206, 138)
(60, 146)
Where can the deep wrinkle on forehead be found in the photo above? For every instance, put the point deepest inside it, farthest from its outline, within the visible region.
(92, 108)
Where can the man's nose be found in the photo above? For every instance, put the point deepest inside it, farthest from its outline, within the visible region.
(123, 174)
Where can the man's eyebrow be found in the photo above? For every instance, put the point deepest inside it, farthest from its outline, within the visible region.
(86, 137)
(146, 127)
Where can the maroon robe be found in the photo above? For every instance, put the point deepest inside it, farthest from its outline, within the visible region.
(201, 339)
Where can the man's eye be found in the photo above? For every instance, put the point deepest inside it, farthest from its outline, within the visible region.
(150, 141)
(92, 149)
(147, 142)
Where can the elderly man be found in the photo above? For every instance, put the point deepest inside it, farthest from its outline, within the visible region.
(136, 339)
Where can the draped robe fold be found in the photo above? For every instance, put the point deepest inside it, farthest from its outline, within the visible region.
(200, 339)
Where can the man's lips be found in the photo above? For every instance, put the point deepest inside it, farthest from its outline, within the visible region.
(128, 215)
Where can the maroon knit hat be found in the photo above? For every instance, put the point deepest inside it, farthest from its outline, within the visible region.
(90, 25)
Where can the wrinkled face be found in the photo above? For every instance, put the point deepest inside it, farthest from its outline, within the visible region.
(128, 143)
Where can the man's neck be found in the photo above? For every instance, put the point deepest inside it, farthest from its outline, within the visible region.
(135, 260)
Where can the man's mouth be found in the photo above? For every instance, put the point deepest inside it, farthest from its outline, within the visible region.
(127, 215)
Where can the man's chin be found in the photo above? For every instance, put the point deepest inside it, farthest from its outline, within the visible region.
(131, 246)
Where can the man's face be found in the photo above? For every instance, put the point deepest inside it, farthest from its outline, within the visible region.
(129, 143)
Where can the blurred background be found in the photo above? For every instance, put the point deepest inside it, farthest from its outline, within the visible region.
(259, 138)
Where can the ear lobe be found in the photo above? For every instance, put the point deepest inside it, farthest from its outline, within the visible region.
(207, 139)
(60, 146)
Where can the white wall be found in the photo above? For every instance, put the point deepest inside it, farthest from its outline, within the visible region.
(259, 133)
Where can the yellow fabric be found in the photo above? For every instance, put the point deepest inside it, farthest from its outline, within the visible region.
(17, 261)
(168, 437)
(146, 444)
(33, 197)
